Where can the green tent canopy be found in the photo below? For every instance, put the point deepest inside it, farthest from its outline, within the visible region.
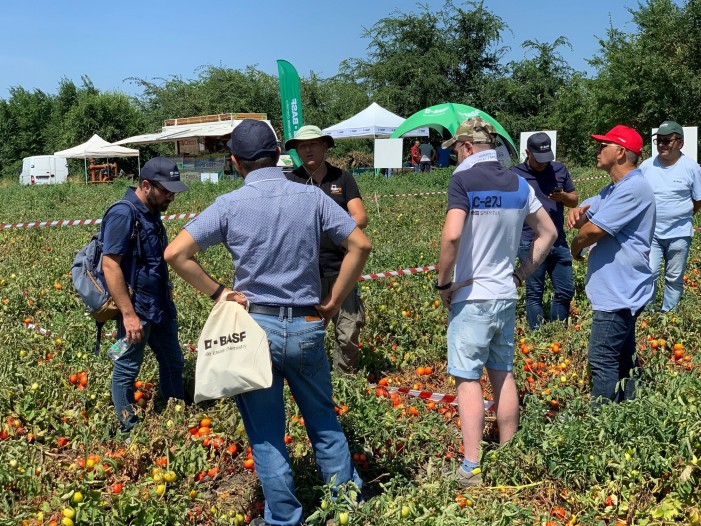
(445, 119)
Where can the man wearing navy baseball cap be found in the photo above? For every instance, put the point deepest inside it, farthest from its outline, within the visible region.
(134, 240)
(272, 228)
(555, 190)
(616, 226)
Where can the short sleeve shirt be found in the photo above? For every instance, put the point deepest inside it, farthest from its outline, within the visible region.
(152, 295)
(340, 186)
(497, 202)
(675, 188)
(554, 175)
(427, 152)
(618, 271)
(271, 227)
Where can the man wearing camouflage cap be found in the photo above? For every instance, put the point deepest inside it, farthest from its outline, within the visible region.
(487, 206)
(676, 183)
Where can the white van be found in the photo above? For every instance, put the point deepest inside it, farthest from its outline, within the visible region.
(43, 169)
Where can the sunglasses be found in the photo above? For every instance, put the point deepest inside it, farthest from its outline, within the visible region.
(664, 142)
(603, 145)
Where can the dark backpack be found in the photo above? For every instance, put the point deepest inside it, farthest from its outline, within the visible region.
(89, 279)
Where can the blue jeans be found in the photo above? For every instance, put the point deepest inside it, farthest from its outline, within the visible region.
(298, 356)
(163, 339)
(557, 265)
(674, 251)
(612, 356)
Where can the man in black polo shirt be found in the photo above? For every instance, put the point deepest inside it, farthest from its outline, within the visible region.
(311, 145)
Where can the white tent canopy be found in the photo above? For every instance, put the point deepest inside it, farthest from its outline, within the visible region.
(185, 131)
(98, 148)
(373, 122)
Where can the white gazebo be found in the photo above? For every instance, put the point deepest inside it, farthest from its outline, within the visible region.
(374, 122)
(97, 147)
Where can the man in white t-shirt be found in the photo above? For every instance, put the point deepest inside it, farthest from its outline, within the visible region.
(676, 181)
(487, 206)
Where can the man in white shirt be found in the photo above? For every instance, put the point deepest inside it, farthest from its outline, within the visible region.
(487, 205)
(676, 182)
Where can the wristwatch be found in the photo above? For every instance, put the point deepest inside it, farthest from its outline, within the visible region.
(443, 287)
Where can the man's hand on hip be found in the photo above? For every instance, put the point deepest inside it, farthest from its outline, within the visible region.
(328, 310)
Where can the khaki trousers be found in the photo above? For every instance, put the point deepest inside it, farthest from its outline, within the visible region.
(347, 324)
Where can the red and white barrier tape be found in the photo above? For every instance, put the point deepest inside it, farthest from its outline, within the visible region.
(402, 272)
(80, 222)
(40, 330)
(84, 222)
(429, 396)
(594, 178)
(441, 192)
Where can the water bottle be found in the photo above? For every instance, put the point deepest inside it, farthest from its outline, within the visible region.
(118, 348)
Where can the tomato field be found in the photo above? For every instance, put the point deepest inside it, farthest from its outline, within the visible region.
(60, 462)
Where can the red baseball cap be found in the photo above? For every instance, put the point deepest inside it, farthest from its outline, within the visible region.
(622, 136)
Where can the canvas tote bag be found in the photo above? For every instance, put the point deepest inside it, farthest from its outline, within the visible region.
(232, 354)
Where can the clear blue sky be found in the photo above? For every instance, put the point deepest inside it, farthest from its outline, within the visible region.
(42, 41)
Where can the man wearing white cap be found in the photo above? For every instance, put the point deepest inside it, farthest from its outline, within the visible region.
(676, 182)
(311, 145)
(487, 206)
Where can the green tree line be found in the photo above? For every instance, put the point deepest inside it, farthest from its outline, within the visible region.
(415, 59)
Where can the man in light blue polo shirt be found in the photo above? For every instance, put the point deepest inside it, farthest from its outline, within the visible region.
(676, 182)
(272, 227)
(618, 225)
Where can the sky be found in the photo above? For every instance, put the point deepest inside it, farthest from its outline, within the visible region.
(43, 41)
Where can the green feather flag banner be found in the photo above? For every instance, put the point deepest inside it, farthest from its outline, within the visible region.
(291, 101)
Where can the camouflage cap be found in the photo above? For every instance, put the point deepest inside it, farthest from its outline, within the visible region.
(475, 130)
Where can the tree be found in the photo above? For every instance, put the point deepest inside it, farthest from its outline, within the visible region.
(216, 90)
(423, 58)
(23, 125)
(654, 73)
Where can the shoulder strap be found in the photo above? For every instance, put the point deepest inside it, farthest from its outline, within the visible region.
(134, 234)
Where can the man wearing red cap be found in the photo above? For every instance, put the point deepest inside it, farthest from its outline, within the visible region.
(617, 227)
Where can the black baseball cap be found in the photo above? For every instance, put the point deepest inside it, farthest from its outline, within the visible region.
(540, 148)
(253, 139)
(164, 172)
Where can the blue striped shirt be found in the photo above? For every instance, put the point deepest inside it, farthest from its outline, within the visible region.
(271, 227)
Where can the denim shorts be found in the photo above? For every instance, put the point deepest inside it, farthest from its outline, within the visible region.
(481, 334)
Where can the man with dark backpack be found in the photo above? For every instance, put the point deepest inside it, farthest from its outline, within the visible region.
(147, 315)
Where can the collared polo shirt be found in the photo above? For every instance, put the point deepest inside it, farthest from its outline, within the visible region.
(496, 202)
(152, 296)
(272, 227)
(543, 183)
(675, 187)
(618, 270)
(340, 186)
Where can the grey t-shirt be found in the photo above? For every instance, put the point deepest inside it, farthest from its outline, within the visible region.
(427, 152)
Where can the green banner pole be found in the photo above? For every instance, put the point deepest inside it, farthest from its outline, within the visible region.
(291, 101)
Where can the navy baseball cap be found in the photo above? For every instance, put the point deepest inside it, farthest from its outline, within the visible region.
(540, 147)
(253, 139)
(164, 172)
